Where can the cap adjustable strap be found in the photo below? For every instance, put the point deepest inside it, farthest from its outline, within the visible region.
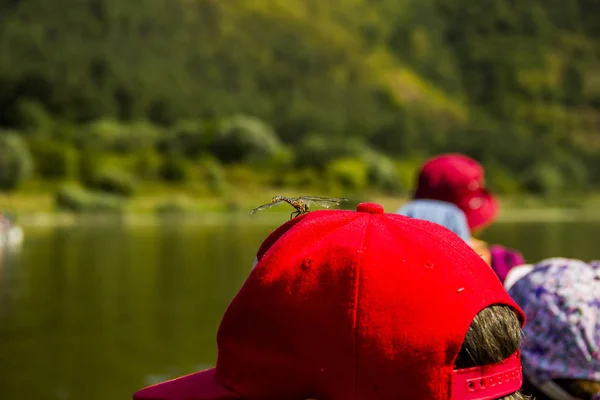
(488, 382)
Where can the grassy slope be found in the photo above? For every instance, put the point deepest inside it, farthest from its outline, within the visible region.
(29, 203)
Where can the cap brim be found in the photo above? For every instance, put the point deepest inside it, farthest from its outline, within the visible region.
(198, 386)
(484, 213)
(515, 274)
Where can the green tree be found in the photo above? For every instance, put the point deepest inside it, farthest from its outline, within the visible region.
(16, 164)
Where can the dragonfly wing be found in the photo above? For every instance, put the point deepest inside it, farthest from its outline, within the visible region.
(327, 199)
(313, 198)
(325, 202)
(265, 206)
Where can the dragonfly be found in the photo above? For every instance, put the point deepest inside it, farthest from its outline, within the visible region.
(301, 204)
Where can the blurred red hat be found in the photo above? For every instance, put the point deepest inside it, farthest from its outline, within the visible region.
(459, 180)
(353, 305)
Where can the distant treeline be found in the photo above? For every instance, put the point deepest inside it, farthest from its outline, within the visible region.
(350, 94)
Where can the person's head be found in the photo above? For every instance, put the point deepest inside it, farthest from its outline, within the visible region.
(459, 180)
(440, 212)
(449, 216)
(561, 350)
(367, 306)
(503, 260)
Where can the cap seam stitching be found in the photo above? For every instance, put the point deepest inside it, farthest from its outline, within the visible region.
(359, 257)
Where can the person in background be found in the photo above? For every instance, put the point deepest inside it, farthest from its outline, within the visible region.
(451, 192)
(440, 212)
(362, 305)
(449, 216)
(561, 349)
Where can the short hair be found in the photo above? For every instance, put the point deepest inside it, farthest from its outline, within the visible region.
(494, 335)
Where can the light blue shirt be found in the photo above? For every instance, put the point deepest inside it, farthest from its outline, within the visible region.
(440, 212)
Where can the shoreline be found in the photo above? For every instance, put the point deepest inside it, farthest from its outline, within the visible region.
(38, 209)
(132, 218)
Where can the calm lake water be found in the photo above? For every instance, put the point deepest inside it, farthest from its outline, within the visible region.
(95, 312)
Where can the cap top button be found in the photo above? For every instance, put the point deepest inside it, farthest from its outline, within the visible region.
(371, 208)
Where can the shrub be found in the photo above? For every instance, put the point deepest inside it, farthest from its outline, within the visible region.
(78, 200)
(245, 176)
(408, 169)
(499, 180)
(16, 163)
(89, 166)
(576, 174)
(33, 117)
(53, 159)
(99, 135)
(544, 179)
(303, 178)
(147, 164)
(349, 173)
(316, 151)
(135, 137)
(278, 167)
(381, 172)
(115, 181)
(112, 135)
(244, 139)
(175, 170)
(213, 175)
(189, 138)
(281, 160)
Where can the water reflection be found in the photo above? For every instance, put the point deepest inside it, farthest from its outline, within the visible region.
(8, 285)
(98, 311)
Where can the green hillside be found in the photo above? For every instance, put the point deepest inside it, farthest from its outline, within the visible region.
(280, 92)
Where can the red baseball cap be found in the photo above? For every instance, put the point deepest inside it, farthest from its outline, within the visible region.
(354, 305)
(460, 180)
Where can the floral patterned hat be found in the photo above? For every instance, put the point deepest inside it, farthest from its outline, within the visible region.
(561, 299)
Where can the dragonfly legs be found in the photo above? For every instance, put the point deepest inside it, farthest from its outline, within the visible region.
(297, 213)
